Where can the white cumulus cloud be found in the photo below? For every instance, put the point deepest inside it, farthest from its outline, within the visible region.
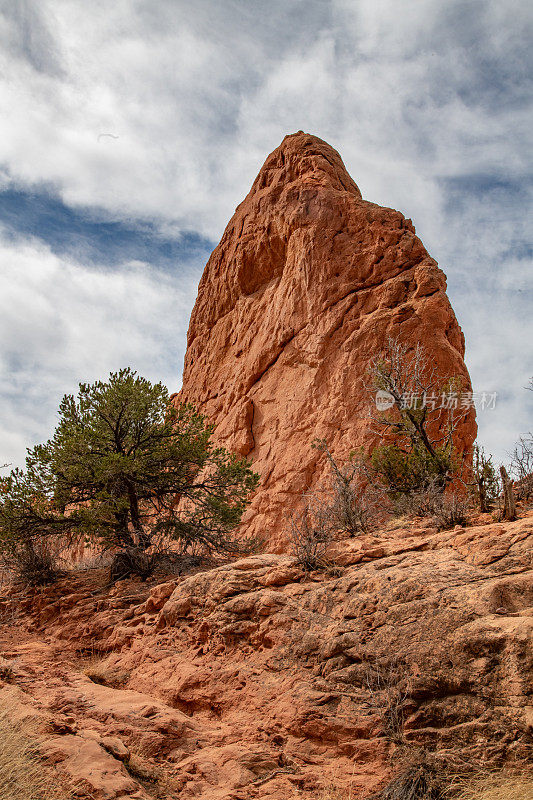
(191, 97)
(62, 323)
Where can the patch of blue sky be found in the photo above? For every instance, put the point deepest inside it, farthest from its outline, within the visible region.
(479, 183)
(90, 237)
(501, 202)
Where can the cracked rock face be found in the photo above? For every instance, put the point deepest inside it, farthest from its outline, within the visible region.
(303, 290)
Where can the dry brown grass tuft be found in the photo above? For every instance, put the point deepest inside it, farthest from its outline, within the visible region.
(142, 769)
(328, 792)
(96, 669)
(331, 789)
(22, 776)
(153, 777)
(7, 670)
(407, 787)
(496, 787)
(334, 793)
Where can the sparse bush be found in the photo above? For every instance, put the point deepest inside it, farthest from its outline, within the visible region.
(419, 780)
(87, 562)
(333, 792)
(31, 562)
(7, 670)
(351, 503)
(447, 510)
(343, 506)
(419, 502)
(154, 777)
(310, 534)
(423, 777)
(450, 510)
(485, 484)
(522, 463)
(389, 686)
(406, 472)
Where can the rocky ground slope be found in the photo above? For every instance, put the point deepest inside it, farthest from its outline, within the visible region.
(255, 680)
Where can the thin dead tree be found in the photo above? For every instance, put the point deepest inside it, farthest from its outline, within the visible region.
(353, 504)
(422, 412)
(522, 466)
(310, 533)
(484, 482)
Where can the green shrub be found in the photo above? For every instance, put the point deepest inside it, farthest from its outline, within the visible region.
(112, 472)
(403, 471)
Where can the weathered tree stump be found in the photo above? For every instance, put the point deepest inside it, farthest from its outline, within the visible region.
(509, 506)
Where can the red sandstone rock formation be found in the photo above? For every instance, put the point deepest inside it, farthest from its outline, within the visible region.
(304, 288)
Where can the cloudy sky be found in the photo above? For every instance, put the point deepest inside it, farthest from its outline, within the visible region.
(132, 129)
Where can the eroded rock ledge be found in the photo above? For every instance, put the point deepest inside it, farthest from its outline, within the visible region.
(252, 680)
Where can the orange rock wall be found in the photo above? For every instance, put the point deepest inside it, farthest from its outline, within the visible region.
(307, 283)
